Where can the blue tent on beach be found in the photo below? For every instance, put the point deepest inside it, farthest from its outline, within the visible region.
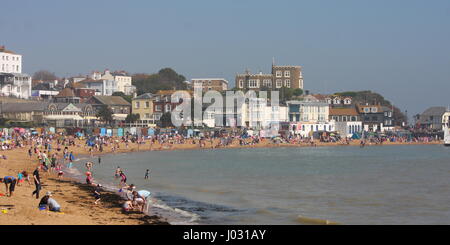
(356, 136)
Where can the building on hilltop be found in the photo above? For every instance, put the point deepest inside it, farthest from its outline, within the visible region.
(119, 81)
(281, 76)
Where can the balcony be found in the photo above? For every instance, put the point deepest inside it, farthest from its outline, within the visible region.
(6, 78)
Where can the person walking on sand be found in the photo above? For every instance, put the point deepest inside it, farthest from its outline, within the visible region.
(99, 160)
(37, 182)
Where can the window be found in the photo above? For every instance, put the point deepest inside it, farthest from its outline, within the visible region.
(137, 105)
(147, 104)
(157, 108)
(168, 108)
(147, 115)
(267, 83)
(287, 83)
(279, 73)
(279, 83)
(253, 83)
(287, 74)
(241, 83)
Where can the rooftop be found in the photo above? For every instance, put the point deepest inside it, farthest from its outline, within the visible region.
(111, 100)
(4, 50)
(144, 96)
(343, 112)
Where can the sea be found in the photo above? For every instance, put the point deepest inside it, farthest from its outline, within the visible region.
(374, 185)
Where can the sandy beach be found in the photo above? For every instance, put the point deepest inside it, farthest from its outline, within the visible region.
(76, 200)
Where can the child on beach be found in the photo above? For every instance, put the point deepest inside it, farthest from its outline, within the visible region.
(123, 180)
(97, 194)
(20, 178)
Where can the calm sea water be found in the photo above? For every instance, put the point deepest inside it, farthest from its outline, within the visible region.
(349, 185)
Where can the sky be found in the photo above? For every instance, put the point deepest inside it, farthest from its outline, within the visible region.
(400, 49)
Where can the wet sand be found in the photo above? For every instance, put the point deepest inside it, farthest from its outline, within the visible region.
(77, 201)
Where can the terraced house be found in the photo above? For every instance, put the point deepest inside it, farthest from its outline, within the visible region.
(143, 106)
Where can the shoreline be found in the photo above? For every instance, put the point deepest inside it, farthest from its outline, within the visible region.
(76, 198)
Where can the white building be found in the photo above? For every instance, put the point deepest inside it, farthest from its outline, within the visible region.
(122, 79)
(307, 117)
(307, 129)
(102, 87)
(347, 129)
(12, 81)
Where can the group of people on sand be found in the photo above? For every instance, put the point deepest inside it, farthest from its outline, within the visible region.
(49, 161)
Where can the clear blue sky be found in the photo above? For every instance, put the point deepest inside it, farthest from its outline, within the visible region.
(398, 48)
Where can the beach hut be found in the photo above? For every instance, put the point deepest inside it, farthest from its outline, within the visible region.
(120, 132)
(133, 130)
(115, 132)
(190, 133)
(151, 132)
(109, 132)
(144, 131)
(103, 131)
(138, 132)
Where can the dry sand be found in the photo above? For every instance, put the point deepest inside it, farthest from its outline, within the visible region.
(76, 199)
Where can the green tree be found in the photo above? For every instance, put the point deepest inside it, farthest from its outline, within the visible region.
(105, 114)
(298, 92)
(166, 120)
(132, 118)
(44, 75)
(165, 79)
